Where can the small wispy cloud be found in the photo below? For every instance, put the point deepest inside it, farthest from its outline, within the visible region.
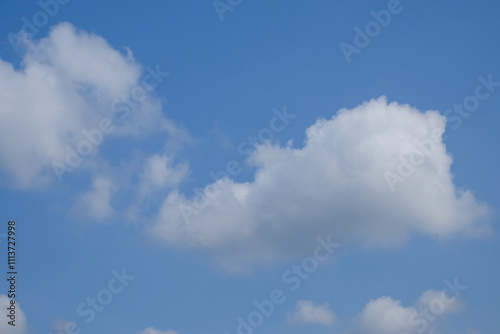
(306, 312)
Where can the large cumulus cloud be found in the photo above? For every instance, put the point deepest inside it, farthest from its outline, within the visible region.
(337, 184)
(67, 83)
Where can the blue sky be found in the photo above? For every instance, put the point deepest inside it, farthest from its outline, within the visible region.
(314, 142)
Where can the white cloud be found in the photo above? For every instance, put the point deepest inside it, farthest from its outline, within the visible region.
(151, 330)
(160, 172)
(430, 297)
(335, 184)
(307, 312)
(96, 202)
(68, 82)
(20, 324)
(387, 316)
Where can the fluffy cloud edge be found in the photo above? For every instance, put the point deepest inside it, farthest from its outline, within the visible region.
(386, 315)
(72, 92)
